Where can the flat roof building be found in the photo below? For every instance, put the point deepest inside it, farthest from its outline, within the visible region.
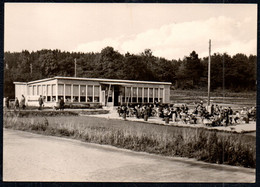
(107, 92)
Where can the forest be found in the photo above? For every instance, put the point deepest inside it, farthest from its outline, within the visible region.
(235, 73)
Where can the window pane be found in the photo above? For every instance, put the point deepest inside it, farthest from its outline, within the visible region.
(68, 90)
(30, 90)
(161, 92)
(60, 89)
(96, 91)
(54, 90)
(82, 90)
(90, 90)
(150, 93)
(75, 90)
(140, 92)
(134, 92)
(145, 92)
(40, 90)
(48, 91)
(156, 92)
(43, 90)
(128, 92)
(34, 90)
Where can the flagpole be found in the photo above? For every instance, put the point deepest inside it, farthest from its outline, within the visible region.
(209, 74)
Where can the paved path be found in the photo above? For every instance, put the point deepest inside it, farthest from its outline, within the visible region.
(250, 127)
(32, 157)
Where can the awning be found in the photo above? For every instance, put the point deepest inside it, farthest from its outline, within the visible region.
(116, 83)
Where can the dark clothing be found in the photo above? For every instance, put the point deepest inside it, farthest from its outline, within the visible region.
(62, 104)
(7, 102)
(22, 103)
(16, 103)
(40, 102)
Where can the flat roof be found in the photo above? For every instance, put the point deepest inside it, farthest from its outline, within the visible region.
(24, 83)
(110, 81)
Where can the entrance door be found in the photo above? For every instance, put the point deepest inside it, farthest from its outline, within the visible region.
(116, 94)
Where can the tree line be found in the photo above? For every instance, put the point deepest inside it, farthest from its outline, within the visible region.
(236, 73)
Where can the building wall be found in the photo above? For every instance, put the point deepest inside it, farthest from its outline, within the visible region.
(21, 89)
(167, 93)
(91, 91)
(45, 88)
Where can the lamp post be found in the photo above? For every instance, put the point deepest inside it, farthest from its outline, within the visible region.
(209, 74)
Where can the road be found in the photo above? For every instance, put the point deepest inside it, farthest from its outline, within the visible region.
(33, 157)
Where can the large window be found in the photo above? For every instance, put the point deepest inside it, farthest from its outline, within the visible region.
(140, 95)
(134, 97)
(122, 93)
(150, 95)
(145, 95)
(75, 93)
(53, 87)
(44, 92)
(39, 90)
(68, 92)
(161, 94)
(48, 92)
(90, 93)
(82, 93)
(156, 99)
(96, 93)
(128, 94)
(30, 90)
(34, 90)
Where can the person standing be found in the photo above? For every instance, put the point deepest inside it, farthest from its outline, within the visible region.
(40, 102)
(22, 102)
(7, 102)
(16, 104)
(62, 104)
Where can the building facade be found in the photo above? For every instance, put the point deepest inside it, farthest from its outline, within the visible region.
(107, 92)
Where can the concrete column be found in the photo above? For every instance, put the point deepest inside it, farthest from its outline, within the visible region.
(64, 90)
(142, 94)
(93, 93)
(72, 92)
(79, 93)
(148, 96)
(100, 95)
(56, 91)
(86, 93)
(153, 95)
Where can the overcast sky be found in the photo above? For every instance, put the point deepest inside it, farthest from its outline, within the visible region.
(169, 30)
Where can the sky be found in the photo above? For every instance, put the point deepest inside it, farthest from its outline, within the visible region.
(171, 31)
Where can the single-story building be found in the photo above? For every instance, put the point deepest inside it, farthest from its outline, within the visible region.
(107, 92)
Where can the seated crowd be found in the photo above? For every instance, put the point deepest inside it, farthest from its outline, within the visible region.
(215, 116)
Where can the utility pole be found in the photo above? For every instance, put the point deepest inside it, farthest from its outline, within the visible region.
(209, 74)
(31, 67)
(75, 62)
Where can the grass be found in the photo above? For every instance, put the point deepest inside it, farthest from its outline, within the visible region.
(44, 113)
(206, 145)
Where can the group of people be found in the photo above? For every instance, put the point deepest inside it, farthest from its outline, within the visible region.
(138, 111)
(213, 116)
(17, 104)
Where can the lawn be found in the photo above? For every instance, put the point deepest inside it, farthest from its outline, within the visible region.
(202, 144)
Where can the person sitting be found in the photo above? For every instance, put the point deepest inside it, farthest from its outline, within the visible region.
(237, 117)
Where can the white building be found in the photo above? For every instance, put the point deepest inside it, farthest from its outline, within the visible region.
(108, 92)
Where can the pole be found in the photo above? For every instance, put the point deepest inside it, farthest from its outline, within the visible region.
(75, 62)
(209, 74)
(223, 77)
